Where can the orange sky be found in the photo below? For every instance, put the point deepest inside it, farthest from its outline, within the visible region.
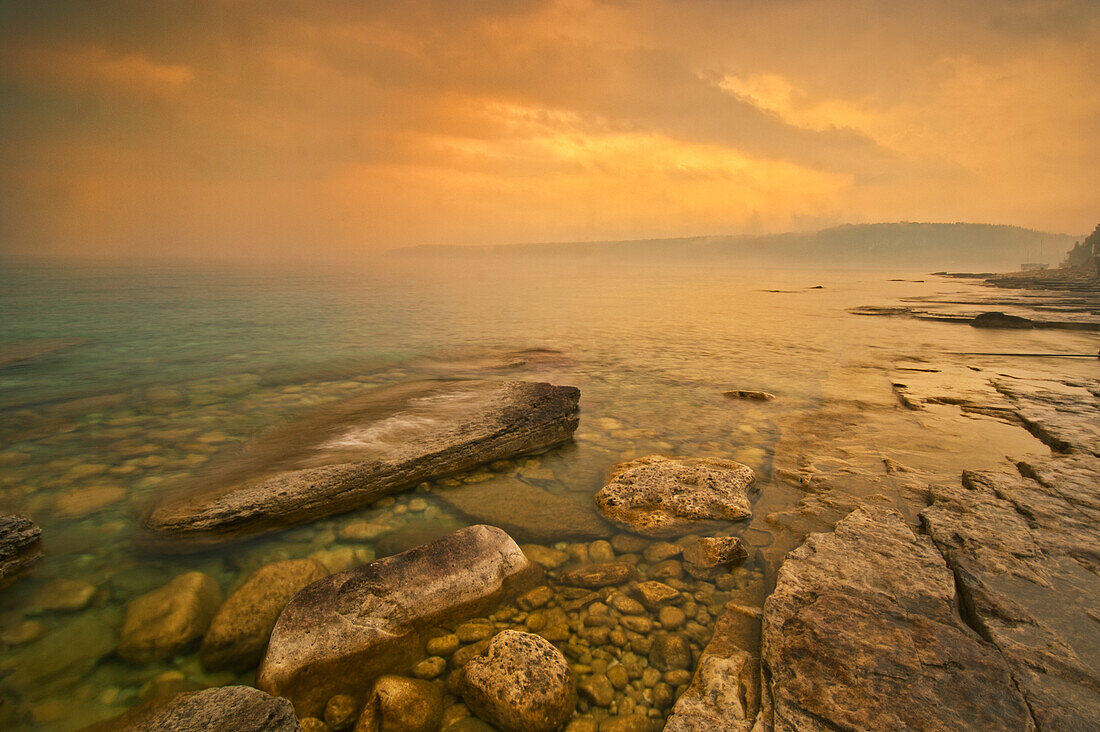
(249, 128)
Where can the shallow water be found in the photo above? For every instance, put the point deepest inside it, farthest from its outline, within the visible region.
(165, 369)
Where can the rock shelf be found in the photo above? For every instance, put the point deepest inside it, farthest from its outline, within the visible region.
(352, 455)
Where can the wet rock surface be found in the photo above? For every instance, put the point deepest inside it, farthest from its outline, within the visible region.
(904, 659)
(521, 683)
(1025, 554)
(20, 546)
(225, 709)
(238, 635)
(337, 635)
(661, 496)
(526, 512)
(366, 448)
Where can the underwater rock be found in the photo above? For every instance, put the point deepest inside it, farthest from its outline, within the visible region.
(236, 708)
(238, 635)
(662, 496)
(354, 453)
(704, 557)
(862, 632)
(398, 703)
(604, 574)
(68, 653)
(527, 513)
(62, 595)
(337, 635)
(725, 690)
(522, 683)
(166, 620)
(21, 352)
(20, 546)
(81, 502)
(712, 551)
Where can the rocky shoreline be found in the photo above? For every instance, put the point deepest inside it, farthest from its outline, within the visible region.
(921, 599)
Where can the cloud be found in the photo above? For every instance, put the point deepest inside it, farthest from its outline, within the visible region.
(282, 127)
(78, 68)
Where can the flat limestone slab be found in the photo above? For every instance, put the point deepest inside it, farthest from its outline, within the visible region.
(354, 453)
(1025, 557)
(862, 632)
(339, 634)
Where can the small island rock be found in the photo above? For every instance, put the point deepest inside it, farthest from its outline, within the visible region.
(353, 453)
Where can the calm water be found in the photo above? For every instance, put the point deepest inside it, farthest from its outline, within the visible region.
(164, 369)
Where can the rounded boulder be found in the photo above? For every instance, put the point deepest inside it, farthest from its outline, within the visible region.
(520, 683)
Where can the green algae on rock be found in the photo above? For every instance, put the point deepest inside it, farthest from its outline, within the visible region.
(352, 454)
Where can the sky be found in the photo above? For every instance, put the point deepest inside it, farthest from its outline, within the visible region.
(327, 129)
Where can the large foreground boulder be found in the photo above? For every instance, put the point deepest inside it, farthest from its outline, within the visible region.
(527, 513)
(663, 496)
(238, 635)
(337, 635)
(352, 454)
(225, 709)
(20, 546)
(862, 632)
(521, 683)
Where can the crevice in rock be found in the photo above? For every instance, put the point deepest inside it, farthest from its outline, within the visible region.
(1044, 435)
(1028, 471)
(965, 606)
(969, 615)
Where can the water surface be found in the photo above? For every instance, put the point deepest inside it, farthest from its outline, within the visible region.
(160, 370)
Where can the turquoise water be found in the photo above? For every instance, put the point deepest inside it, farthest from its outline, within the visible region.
(160, 370)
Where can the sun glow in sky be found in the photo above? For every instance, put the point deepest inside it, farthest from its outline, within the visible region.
(284, 128)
